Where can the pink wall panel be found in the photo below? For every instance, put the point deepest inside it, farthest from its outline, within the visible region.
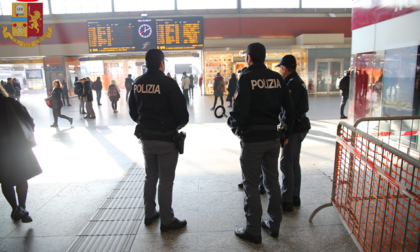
(221, 27)
(368, 12)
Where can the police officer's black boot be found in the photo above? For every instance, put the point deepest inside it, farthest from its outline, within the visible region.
(243, 234)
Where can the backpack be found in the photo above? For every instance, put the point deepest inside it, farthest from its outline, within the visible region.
(113, 92)
(78, 89)
(221, 87)
(343, 82)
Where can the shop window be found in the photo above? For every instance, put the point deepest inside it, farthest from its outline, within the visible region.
(143, 5)
(6, 7)
(197, 5)
(269, 4)
(327, 4)
(80, 6)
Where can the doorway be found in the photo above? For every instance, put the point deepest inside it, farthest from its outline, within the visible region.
(327, 73)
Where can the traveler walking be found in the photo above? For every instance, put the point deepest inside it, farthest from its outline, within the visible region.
(57, 103)
(344, 85)
(114, 94)
(18, 163)
(98, 89)
(88, 98)
(219, 89)
(156, 104)
(231, 89)
(169, 75)
(186, 86)
(290, 156)
(195, 80)
(201, 83)
(128, 86)
(78, 90)
(18, 88)
(259, 99)
(191, 89)
(65, 93)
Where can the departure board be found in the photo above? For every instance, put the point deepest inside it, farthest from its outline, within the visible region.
(128, 35)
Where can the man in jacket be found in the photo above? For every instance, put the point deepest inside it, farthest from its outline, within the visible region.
(260, 96)
(158, 107)
(88, 98)
(186, 86)
(344, 85)
(128, 86)
(290, 156)
(78, 90)
(18, 88)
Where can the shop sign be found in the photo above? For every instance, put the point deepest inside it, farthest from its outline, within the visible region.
(27, 21)
(54, 68)
(19, 61)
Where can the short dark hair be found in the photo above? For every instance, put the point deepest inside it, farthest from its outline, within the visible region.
(153, 58)
(258, 58)
(290, 69)
(9, 79)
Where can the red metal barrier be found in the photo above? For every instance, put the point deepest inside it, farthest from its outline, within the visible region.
(376, 192)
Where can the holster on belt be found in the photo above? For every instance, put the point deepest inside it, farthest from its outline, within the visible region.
(282, 128)
(179, 138)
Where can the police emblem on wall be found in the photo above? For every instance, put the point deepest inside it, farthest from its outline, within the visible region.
(27, 21)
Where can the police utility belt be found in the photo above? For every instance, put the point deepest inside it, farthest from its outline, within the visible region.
(178, 137)
(281, 128)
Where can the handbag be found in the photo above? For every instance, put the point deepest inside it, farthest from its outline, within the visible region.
(49, 104)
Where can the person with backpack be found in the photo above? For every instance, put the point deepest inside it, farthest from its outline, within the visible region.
(128, 86)
(191, 88)
(88, 98)
(78, 90)
(343, 84)
(114, 94)
(219, 89)
(186, 86)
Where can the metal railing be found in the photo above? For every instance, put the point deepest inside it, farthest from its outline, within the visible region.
(376, 192)
(400, 132)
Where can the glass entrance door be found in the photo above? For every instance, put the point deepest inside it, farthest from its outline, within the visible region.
(327, 73)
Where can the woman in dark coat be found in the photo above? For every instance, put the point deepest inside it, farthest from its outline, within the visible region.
(232, 88)
(55, 99)
(17, 161)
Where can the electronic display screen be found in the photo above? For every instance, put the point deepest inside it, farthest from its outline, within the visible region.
(128, 35)
(33, 74)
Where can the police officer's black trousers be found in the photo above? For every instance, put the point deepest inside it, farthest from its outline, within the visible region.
(343, 104)
(256, 158)
(290, 167)
(161, 159)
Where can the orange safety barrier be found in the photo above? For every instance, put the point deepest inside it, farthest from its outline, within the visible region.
(376, 191)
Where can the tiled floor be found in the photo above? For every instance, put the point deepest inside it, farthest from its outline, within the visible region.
(83, 163)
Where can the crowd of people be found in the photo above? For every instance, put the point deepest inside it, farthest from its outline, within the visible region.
(268, 114)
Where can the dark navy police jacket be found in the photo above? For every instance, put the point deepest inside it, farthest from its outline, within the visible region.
(156, 103)
(261, 95)
(299, 94)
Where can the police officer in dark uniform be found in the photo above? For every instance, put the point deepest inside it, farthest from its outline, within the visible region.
(261, 93)
(290, 156)
(159, 108)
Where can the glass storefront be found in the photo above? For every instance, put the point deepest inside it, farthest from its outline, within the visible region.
(385, 83)
(29, 75)
(230, 61)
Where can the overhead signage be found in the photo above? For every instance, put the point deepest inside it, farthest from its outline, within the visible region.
(131, 35)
